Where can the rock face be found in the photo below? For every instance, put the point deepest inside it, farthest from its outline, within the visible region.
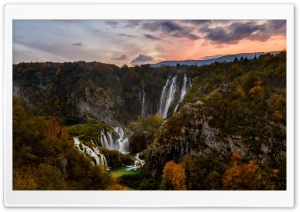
(190, 131)
(137, 143)
(100, 104)
(134, 103)
(84, 91)
(157, 158)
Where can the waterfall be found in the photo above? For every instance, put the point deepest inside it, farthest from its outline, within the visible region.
(138, 163)
(104, 140)
(183, 91)
(184, 88)
(111, 141)
(121, 144)
(143, 104)
(162, 98)
(167, 97)
(94, 153)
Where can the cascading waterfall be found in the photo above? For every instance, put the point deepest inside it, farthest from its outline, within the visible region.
(121, 144)
(143, 104)
(183, 91)
(95, 153)
(163, 98)
(138, 163)
(167, 97)
(168, 94)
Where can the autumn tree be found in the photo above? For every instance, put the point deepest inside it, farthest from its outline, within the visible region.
(241, 176)
(173, 177)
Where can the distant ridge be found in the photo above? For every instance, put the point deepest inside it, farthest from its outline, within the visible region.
(225, 58)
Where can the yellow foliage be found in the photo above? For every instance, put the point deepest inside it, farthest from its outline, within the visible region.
(58, 72)
(278, 114)
(157, 118)
(241, 91)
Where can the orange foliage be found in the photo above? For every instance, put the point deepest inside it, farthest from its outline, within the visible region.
(241, 177)
(173, 177)
(255, 89)
(236, 155)
(234, 66)
(241, 91)
(115, 187)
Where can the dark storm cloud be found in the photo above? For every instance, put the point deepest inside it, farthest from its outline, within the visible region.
(251, 30)
(126, 35)
(112, 23)
(193, 36)
(170, 28)
(122, 57)
(278, 26)
(77, 44)
(142, 58)
(151, 37)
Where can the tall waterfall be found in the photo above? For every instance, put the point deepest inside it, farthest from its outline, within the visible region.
(121, 144)
(143, 104)
(167, 97)
(183, 91)
(94, 152)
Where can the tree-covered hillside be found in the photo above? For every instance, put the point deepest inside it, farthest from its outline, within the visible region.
(227, 132)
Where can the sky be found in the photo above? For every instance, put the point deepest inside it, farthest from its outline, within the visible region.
(135, 42)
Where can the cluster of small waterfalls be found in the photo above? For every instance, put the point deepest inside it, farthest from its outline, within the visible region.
(138, 163)
(121, 144)
(93, 152)
(170, 96)
(106, 139)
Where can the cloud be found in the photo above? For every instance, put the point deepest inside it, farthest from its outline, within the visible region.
(170, 28)
(197, 22)
(112, 23)
(126, 35)
(122, 57)
(132, 24)
(193, 37)
(151, 37)
(77, 44)
(236, 31)
(142, 58)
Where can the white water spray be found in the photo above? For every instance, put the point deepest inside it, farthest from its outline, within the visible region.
(121, 144)
(95, 153)
(167, 97)
(143, 104)
(138, 163)
(183, 91)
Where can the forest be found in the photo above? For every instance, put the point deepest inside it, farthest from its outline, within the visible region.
(97, 126)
